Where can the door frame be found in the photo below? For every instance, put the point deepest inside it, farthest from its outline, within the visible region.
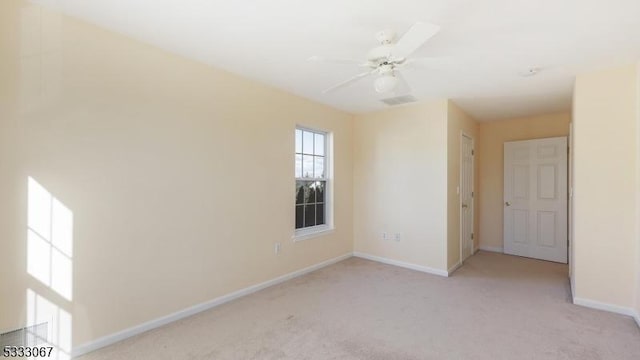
(570, 206)
(473, 200)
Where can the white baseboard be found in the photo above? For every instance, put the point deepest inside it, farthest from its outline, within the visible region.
(606, 307)
(454, 268)
(496, 249)
(149, 325)
(403, 264)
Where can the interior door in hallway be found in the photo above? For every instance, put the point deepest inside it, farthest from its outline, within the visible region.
(466, 197)
(535, 198)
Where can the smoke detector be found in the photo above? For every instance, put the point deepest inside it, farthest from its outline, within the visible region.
(530, 72)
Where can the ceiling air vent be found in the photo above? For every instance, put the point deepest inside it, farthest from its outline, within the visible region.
(399, 100)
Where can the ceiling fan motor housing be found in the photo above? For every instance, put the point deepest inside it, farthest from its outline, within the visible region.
(380, 54)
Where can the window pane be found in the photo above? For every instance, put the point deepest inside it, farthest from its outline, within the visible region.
(306, 192)
(307, 166)
(319, 144)
(299, 216)
(310, 163)
(312, 193)
(319, 214)
(320, 185)
(318, 166)
(298, 166)
(307, 142)
(309, 215)
(298, 141)
(299, 192)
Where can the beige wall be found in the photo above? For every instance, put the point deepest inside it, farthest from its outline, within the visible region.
(179, 176)
(397, 152)
(400, 174)
(605, 208)
(492, 136)
(12, 291)
(458, 121)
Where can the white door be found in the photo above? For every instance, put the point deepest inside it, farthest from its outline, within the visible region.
(466, 196)
(535, 198)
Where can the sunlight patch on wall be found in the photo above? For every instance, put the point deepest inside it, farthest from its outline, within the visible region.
(58, 334)
(49, 240)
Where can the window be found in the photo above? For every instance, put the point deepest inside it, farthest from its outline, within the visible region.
(312, 178)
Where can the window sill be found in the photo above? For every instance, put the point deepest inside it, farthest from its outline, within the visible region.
(310, 233)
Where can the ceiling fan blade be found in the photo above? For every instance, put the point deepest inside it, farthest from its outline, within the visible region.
(337, 61)
(417, 35)
(429, 61)
(349, 81)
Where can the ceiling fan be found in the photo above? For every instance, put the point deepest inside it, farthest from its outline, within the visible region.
(387, 59)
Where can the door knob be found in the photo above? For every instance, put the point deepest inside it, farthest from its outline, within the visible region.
(464, 206)
(507, 203)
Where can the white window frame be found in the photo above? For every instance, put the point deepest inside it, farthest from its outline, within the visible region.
(326, 228)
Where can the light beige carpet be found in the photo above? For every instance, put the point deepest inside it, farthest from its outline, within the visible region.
(494, 307)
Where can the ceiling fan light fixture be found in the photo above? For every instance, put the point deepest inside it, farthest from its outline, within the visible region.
(385, 83)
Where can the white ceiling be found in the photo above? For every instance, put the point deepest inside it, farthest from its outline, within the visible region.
(483, 45)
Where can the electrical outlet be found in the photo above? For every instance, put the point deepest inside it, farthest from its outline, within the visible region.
(396, 237)
(277, 248)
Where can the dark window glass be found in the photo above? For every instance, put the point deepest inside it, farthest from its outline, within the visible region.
(312, 192)
(309, 215)
(320, 191)
(299, 216)
(299, 192)
(319, 214)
